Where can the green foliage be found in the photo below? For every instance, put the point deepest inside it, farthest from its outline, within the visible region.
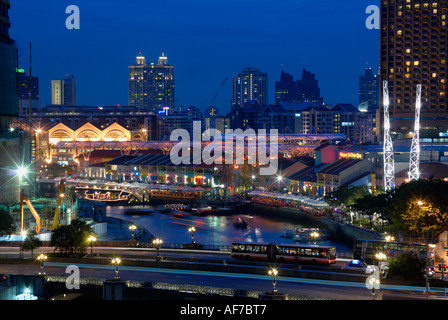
(407, 265)
(31, 243)
(71, 239)
(7, 225)
(431, 213)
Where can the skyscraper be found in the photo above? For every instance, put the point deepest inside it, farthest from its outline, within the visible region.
(414, 51)
(286, 88)
(9, 107)
(369, 89)
(151, 86)
(251, 85)
(308, 88)
(63, 91)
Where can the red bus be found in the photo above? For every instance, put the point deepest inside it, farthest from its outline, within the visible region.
(284, 252)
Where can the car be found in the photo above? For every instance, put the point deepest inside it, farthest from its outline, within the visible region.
(355, 265)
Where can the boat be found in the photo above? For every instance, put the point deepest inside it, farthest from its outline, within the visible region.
(310, 234)
(177, 214)
(170, 207)
(240, 223)
(201, 210)
(138, 211)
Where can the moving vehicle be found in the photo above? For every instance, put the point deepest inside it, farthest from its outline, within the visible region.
(355, 265)
(284, 252)
(366, 250)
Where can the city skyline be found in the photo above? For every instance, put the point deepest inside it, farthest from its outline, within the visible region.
(205, 43)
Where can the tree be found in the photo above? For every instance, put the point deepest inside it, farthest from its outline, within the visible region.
(7, 225)
(71, 239)
(407, 265)
(31, 243)
(420, 206)
(371, 205)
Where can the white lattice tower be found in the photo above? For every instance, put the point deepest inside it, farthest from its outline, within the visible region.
(388, 148)
(414, 161)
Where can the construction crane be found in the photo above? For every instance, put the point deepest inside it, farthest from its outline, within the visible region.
(24, 198)
(220, 87)
(58, 204)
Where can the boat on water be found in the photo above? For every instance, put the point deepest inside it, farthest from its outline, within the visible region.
(177, 213)
(310, 234)
(288, 234)
(201, 210)
(138, 211)
(170, 207)
(240, 223)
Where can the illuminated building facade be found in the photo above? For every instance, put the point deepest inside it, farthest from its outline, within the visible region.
(151, 87)
(63, 92)
(251, 85)
(414, 51)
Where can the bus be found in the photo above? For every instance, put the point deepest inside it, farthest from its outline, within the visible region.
(367, 249)
(284, 252)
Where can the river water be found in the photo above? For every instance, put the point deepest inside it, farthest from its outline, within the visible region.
(213, 229)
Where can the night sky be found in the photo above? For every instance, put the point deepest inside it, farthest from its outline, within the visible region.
(206, 41)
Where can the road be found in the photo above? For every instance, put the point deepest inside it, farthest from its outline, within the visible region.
(294, 286)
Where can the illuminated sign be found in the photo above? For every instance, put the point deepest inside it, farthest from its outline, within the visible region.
(350, 155)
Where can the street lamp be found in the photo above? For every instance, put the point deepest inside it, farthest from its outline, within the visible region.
(157, 243)
(116, 262)
(279, 179)
(42, 258)
(314, 235)
(192, 230)
(91, 239)
(133, 227)
(273, 272)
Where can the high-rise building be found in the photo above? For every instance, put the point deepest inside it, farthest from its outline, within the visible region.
(308, 88)
(9, 107)
(63, 92)
(414, 51)
(151, 86)
(286, 88)
(251, 85)
(369, 89)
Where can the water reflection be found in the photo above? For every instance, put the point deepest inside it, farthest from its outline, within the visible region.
(212, 230)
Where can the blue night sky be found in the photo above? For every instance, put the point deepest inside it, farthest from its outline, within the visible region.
(206, 41)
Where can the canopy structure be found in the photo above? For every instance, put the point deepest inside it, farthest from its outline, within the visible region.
(290, 197)
(293, 144)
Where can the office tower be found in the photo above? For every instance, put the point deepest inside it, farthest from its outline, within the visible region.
(308, 88)
(413, 52)
(63, 92)
(369, 89)
(251, 85)
(151, 86)
(9, 107)
(286, 88)
(69, 90)
(24, 82)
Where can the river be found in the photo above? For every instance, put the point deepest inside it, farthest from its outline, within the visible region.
(213, 229)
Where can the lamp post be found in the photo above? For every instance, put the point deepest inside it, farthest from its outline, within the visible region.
(42, 258)
(116, 262)
(133, 227)
(157, 243)
(314, 235)
(279, 179)
(192, 230)
(91, 239)
(273, 272)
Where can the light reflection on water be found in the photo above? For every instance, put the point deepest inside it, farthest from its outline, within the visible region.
(212, 230)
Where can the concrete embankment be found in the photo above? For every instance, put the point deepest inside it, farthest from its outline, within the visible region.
(341, 232)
